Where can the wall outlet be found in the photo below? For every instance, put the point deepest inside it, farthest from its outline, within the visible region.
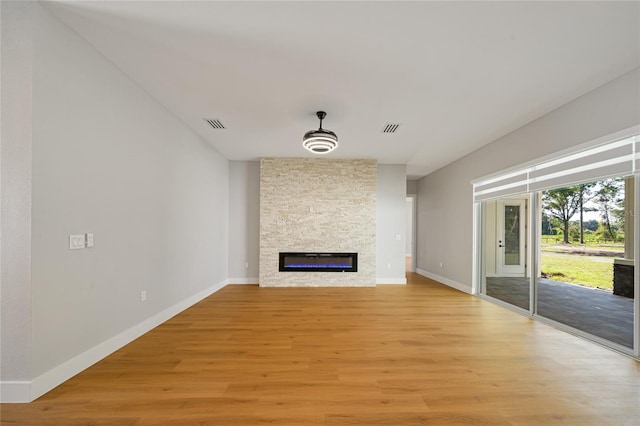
(441, 265)
(389, 265)
(143, 296)
(246, 265)
(88, 240)
(76, 241)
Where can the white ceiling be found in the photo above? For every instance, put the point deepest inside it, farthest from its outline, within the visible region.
(456, 75)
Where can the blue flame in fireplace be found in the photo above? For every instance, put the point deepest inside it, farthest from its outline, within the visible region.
(313, 261)
(317, 266)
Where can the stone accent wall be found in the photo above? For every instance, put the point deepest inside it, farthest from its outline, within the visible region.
(317, 204)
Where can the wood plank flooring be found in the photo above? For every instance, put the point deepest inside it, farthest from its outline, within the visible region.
(420, 354)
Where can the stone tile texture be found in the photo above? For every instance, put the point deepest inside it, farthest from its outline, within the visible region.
(317, 205)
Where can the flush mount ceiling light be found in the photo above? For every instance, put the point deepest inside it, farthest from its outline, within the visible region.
(321, 141)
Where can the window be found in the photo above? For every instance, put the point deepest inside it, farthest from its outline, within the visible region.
(557, 241)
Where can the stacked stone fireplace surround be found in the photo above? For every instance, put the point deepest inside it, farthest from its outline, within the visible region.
(317, 205)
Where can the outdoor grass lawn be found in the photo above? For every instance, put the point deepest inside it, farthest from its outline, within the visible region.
(589, 271)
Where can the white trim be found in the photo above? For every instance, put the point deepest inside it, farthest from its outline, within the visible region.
(400, 281)
(636, 269)
(243, 281)
(446, 281)
(54, 377)
(476, 249)
(618, 158)
(587, 152)
(512, 171)
(534, 241)
(414, 231)
(12, 392)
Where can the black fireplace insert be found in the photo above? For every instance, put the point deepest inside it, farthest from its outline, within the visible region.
(318, 262)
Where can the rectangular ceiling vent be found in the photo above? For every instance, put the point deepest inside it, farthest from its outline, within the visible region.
(215, 123)
(390, 128)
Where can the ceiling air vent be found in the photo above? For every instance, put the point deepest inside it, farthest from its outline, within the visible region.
(390, 128)
(215, 123)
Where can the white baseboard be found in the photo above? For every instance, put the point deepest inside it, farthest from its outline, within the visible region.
(402, 280)
(243, 280)
(445, 281)
(29, 391)
(15, 391)
(25, 391)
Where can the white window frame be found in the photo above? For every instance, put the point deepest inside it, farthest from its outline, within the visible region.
(614, 155)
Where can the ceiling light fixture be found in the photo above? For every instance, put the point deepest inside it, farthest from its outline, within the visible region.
(321, 141)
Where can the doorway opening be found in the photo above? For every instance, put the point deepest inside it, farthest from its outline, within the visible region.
(410, 248)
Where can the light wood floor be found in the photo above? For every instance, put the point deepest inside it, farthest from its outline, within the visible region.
(391, 355)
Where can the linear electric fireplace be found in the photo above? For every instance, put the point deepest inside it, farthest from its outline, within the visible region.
(318, 262)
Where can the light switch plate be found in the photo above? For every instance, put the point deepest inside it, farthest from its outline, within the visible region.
(76, 241)
(88, 240)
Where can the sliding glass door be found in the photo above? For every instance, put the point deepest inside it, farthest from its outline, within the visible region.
(558, 241)
(586, 259)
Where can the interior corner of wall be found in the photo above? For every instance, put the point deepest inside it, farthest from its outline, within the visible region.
(446, 281)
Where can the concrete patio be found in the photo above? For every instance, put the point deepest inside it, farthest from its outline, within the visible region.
(597, 312)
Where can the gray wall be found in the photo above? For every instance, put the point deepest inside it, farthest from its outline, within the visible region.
(409, 227)
(15, 191)
(412, 187)
(391, 228)
(445, 212)
(107, 159)
(244, 221)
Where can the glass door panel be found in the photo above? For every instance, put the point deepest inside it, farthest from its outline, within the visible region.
(584, 238)
(505, 274)
(511, 237)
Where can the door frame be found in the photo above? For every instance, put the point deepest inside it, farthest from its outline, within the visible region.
(519, 270)
(413, 234)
